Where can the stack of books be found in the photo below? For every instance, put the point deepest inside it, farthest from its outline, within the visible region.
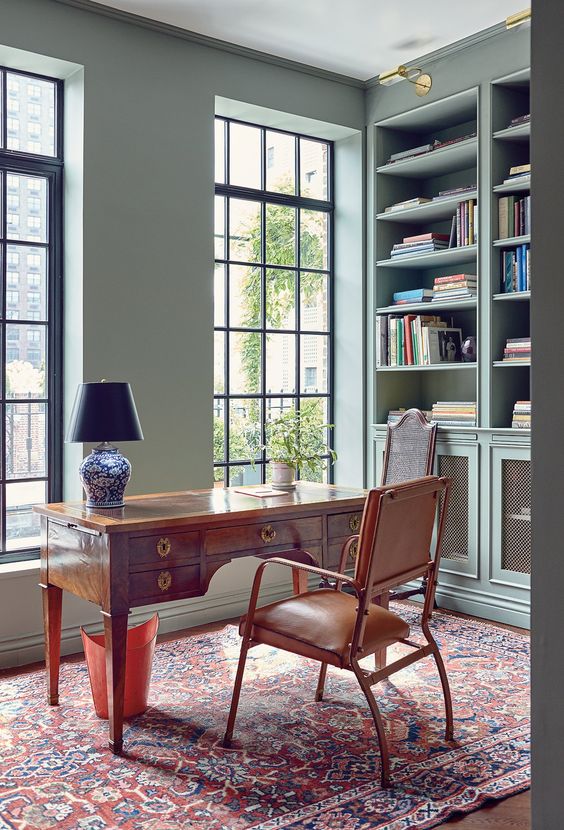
(521, 415)
(455, 287)
(415, 295)
(407, 203)
(416, 340)
(395, 414)
(514, 216)
(520, 119)
(519, 174)
(454, 413)
(517, 350)
(454, 191)
(413, 151)
(464, 227)
(423, 243)
(516, 270)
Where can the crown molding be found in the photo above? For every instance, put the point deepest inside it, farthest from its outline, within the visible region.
(449, 50)
(212, 42)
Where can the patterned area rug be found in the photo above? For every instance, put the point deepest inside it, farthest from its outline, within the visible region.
(295, 763)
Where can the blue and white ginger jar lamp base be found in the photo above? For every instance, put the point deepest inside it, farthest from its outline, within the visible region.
(104, 475)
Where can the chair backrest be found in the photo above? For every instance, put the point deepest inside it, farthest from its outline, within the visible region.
(396, 535)
(410, 448)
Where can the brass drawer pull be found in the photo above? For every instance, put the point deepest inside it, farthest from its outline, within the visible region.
(164, 581)
(354, 523)
(267, 534)
(353, 550)
(163, 547)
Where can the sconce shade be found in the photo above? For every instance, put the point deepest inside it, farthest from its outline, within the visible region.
(104, 412)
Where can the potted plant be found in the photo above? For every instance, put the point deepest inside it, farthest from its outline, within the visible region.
(295, 441)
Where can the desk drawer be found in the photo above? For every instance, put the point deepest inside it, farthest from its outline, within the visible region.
(162, 585)
(291, 532)
(164, 549)
(343, 524)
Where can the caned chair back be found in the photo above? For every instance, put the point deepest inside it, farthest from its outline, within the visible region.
(396, 535)
(410, 448)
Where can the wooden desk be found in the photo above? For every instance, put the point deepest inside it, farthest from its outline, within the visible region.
(167, 547)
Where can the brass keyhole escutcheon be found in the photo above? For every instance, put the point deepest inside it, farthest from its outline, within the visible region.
(164, 581)
(354, 523)
(353, 550)
(267, 534)
(163, 547)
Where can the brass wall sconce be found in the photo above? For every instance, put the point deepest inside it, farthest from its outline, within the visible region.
(518, 19)
(421, 80)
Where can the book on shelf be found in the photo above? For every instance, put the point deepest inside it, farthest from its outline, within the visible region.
(416, 340)
(413, 151)
(394, 415)
(455, 286)
(466, 223)
(514, 216)
(521, 418)
(517, 349)
(415, 295)
(520, 119)
(519, 169)
(454, 413)
(454, 191)
(450, 141)
(516, 269)
(407, 203)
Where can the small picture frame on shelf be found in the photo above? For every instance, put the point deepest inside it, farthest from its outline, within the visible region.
(445, 345)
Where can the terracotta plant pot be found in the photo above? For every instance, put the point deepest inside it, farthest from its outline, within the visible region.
(282, 476)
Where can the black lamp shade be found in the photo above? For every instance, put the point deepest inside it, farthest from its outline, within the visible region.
(104, 412)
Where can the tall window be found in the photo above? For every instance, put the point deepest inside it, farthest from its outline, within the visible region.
(273, 289)
(30, 315)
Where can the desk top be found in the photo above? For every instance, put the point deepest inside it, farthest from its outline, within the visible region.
(196, 507)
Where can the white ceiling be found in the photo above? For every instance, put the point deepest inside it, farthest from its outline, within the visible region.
(360, 38)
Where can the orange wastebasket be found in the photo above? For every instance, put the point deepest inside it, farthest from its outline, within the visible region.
(138, 661)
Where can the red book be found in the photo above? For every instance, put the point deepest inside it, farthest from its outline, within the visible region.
(427, 237)
(454, 278)
(408, 339)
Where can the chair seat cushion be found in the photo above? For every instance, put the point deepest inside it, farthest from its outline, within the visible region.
(320, 625)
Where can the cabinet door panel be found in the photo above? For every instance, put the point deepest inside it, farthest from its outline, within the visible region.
(511, 516)
(459, 462)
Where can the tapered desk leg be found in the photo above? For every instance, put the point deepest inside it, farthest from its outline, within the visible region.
(52, 605)
(115, 631)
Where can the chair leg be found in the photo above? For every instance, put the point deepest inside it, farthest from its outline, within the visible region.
(236, 694)
(321, 682)
(384, 754)
(449, 730)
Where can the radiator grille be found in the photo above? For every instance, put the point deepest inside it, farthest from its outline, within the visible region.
(455, 536)
(516, 516)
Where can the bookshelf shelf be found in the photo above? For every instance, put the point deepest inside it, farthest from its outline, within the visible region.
(523, 187)
(438, 259)
(512, 241)
(434, 163)
(445, 305)
(521, 132)
(434, 367)
(512, 296)
(430, 212)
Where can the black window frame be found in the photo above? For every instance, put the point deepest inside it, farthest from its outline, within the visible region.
(50, 168)
(265, 197)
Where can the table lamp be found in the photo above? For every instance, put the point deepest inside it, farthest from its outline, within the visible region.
(104, 412)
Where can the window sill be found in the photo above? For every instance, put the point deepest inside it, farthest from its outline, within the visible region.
(15, 570)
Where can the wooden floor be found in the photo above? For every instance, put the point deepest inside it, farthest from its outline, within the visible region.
(511, 814)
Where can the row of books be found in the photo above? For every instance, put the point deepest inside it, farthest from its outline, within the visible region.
(416, 201)
(416, 340)
(520, 119)
(519, 174)
(516, 269)
(517, 350)
(514, 216)
(428, 147)
(521, 415)
(454, 413)
(464, 226)
(423, 243)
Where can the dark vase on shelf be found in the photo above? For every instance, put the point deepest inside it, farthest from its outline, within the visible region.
(469, 350)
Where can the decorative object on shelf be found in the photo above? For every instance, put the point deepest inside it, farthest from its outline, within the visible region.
(469, 350)
(295, 442)
(104, 412)
(422, 80)
(522, 18)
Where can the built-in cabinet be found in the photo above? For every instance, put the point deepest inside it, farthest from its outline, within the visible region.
(486, 561)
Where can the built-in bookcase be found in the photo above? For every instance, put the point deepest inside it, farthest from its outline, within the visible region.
(426, 175)
(510, 318)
